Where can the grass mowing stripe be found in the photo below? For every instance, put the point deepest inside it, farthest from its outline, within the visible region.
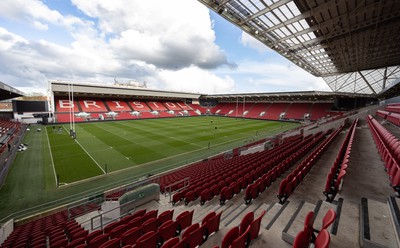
(103, 152)
(139, 152)
(172, 137)
(90, 156)
(71, 162)
(151, 139)
(51, 157)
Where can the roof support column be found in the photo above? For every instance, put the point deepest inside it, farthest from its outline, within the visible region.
(366, 81)
(384, 79)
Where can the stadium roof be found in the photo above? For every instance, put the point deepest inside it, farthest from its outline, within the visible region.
(62, 88)
(8, 92)
(353, 45)
(288, 96)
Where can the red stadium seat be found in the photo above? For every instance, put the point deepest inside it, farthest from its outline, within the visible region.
(131, 236)
(166, 231)
(323, 239)
(149, 225)
(98, 240)
(255, 226)
(148, 240)
(301, 240)
(208, 217)
(190, 229)
(242, 241)
(112, 243)
(149, 215)
(118, 231)
(164, 217)
(328, 219)
(229, 237)
(246, 221)
(212, 225)
(184, 220)
(136, 222)
(195, 238)
(76, 242)
(171, 243)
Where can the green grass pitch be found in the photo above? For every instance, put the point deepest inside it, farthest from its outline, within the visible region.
(124, 149)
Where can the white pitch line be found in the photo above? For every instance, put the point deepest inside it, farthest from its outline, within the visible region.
(51, 157)
(87, 153)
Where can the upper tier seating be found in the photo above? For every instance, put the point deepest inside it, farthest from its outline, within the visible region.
(92, 105)
(139, 106)
(158, 106)
(118, 106)
(225, 109)
(65, 105)
(176, 106)
(202, 110)
(274, 111)
(121, 109)
(297, 110)
(319, 110)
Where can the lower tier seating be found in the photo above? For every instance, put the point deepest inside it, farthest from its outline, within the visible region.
(389, 149)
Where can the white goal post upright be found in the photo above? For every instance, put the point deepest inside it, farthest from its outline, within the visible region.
(244, 103)
(72, 131)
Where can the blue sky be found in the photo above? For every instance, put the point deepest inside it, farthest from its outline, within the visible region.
(148, 41)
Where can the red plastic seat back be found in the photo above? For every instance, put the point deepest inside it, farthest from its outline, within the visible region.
(229, 237)
(328, 219)
(323, 239)
(255, 226)
(246, 221)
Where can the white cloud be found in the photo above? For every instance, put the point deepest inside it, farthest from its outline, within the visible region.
(249, 41)
(274, 76)
(194, 79)
(136, 40)
(37, 13)
(157, 33)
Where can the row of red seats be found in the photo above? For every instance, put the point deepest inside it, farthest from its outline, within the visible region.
(141, 229)
(289, 184)
(393, 107)
(205, 170)
(34, 233)
(338, 169)
(389, 149)
(248, 175)
(197, 233)
(273, 110)
(116, 105)
(307, 236)
(242, 235)
(390, 116)
(288, 158)
(197, 170)
(228, 171)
